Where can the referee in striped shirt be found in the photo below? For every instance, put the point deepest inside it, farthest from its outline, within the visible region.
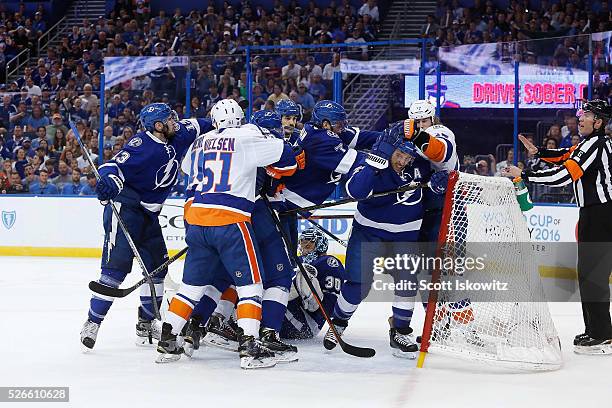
(588, 166)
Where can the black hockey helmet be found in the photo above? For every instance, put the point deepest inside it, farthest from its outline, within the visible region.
(599, 108)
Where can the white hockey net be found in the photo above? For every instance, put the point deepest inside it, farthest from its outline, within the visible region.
(513, 327)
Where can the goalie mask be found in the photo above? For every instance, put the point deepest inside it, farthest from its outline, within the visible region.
(312, 244)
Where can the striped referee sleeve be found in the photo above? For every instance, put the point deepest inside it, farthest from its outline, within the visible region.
(571, 170)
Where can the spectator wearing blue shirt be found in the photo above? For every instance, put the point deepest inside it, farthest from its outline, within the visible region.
(7, 109)
(39, 24)
(41, 133)
(16, 140)
(304, 98)
(317, 89)
(4, 152)
(76, 186)
(116, 107)
(21, 161)
(26, 144)
(36, 119)
(43, 187)
(89, 189)
(19, 118)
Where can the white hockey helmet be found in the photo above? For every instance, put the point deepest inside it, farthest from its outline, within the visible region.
(226, 114)
(421, 109)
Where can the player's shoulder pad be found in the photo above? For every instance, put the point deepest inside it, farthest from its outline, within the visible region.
(251, 129)
(330, 260)
(441, 131)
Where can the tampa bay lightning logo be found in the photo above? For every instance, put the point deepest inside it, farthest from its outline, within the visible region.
(166, 175)
(334, 178)
(409, 198)
(8, 219)
(135, 142)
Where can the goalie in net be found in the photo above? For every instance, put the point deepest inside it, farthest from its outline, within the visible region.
(512, 328)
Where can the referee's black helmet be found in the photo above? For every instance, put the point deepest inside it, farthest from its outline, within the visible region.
(599, 108)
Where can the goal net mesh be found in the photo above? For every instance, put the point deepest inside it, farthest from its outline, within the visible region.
(511, 327)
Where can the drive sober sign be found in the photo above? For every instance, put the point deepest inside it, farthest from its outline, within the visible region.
(497, 91)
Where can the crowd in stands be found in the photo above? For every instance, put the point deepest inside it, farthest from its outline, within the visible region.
(38, 149)
(511, 27)
(40, 155)
(19, 31)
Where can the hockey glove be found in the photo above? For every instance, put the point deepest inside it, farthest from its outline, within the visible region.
(300, 157)
(382, 150)
(108, 187)
(411, 129)
(438, 182)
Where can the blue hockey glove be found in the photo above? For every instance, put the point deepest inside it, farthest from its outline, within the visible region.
(108, 187)
(438, 182)
(382, 150)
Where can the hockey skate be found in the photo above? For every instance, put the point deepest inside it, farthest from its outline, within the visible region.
(254, 355)
(285, 353)
(168, 346)
(220, 333)
(89, 333)
(147, 331)
(193, 335)
(330, 341)
(402, 342)
(591, 346)
(580, 337)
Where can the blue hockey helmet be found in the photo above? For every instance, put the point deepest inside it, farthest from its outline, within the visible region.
(409, 148)
(286, 107)
(395, 135)
(266, 119)
(156, 112)
(320, 241)
(330, 111)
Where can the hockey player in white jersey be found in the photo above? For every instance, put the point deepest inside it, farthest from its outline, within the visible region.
(436, 143)
(220, 236)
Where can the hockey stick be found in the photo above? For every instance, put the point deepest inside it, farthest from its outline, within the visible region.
(347, 348)
(128, 237)
(326, 232)
(409, 187)
(105, 290)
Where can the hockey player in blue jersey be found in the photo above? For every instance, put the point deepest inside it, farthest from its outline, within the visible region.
(277, 268)
(139, 178)
(328, 157)
(381, 227)
(290, 114)
(303, 318)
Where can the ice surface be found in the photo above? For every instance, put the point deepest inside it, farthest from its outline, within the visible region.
(44, 302)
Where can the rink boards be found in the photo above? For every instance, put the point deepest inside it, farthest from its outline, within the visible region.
(72, 227)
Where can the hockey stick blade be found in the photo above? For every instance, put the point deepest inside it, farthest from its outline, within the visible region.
(105, 290)
(363, 352)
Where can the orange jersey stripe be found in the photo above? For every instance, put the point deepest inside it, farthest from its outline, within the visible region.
(230, 295)
(214, 217)
(436, 150)
(180, 308)
(574, 169)
(250, 252)
(561, 158)
(278, 173)
(248, 311)
(186, 207)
